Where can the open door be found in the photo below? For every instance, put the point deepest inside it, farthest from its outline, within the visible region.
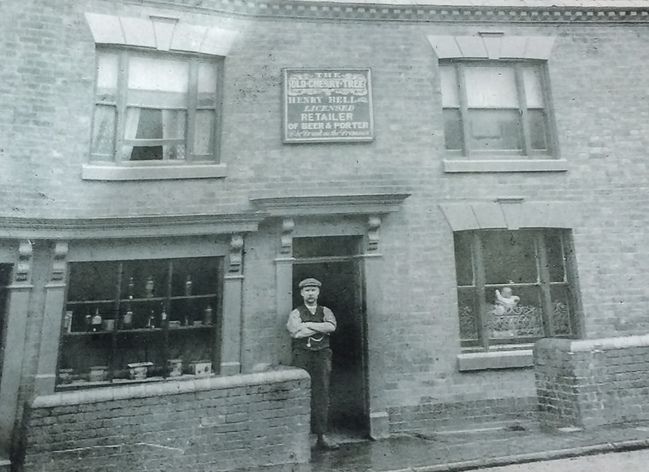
(333, 261)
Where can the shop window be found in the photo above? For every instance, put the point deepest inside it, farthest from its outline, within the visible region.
(514, 287)
(495, 109)
(144, 320)
(155, 108)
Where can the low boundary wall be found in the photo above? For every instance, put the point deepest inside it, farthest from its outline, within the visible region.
(590, 383)
(211, 424)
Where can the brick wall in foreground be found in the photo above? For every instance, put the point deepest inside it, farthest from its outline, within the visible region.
(592, 382)
(434, 417)
(212, 424)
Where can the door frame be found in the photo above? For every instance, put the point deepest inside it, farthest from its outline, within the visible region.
(359, 295)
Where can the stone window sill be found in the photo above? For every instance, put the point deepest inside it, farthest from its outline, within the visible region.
(495, 360)
(505, 165)
(149, 172)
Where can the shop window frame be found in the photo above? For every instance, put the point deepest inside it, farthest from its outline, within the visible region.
(80, 332)
(483, 344)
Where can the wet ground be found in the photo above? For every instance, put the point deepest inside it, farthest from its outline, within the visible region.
(480, 447)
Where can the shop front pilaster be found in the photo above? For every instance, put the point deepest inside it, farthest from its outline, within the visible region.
(16, 322)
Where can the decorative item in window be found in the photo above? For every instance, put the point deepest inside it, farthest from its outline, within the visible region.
(108, 325)
(207, 315)
(139, 370)
(506, 301)
(175, 367)
(66, 375)
(67, 321)
(96, 322)
(98, 373)
(201, 368)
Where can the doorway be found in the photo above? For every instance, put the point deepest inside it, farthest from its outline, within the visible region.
(334, 261)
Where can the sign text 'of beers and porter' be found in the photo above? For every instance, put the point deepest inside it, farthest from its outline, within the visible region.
(327, 105)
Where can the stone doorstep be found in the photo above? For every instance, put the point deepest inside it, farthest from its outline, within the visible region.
(5, 465)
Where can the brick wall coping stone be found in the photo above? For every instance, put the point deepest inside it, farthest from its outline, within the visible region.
(587, 345)
(495, 360)
(464, 11)
(145, 390)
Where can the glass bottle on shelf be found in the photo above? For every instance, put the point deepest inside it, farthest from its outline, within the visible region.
(188, 293)
(207, 315)
(88, 320)
(163, 316)
(95, 322)
(127, 319)
(149, 286)
(151, 321)
(188, 286)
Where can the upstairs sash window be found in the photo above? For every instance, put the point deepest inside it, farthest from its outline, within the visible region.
(155, 107)
(495, 108)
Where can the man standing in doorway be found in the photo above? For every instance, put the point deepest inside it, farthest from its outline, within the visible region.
(310, 325)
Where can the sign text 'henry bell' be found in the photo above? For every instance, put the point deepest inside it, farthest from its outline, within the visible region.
(327, 105)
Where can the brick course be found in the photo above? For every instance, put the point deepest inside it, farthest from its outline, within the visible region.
(593, 382)
(212, 424)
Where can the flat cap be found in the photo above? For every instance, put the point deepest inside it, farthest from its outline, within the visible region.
(310, 282)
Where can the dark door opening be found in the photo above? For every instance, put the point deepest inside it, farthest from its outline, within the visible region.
(342, 292)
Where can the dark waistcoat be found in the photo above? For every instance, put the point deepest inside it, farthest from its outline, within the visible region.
(319, 340)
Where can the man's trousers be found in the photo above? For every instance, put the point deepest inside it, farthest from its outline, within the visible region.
(318, 365)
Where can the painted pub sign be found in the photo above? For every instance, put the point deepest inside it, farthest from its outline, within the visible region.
(325, 105)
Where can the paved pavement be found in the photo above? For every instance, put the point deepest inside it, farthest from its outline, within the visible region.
(634, 461)
(482, 447)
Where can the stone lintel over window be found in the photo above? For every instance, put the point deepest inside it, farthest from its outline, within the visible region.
(492, 45)
(161, 33)
(509, 213)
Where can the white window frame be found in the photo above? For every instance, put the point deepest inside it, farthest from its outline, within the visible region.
(167, 35)
(496, 46)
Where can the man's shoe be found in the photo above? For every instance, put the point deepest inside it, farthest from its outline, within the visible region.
(327, 444)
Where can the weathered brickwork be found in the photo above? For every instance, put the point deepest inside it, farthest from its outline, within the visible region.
(203, 425)
(592, 383)
(597, 76)
(430, 416)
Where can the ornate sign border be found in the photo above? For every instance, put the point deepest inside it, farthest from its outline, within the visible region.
(342, 113)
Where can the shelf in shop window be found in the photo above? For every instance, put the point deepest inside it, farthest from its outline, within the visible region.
(89, 302)
(193, 297)
(191, 327)
(74, 334)
(138, 330)
(79, 384)
(140, 300)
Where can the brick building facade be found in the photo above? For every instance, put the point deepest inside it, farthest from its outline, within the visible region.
(508, 150)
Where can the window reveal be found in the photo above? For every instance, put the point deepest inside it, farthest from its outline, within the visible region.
(513, 287)
(494, 108)
(154, 107)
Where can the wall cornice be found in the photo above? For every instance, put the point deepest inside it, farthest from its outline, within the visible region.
(310, 205)
(478, 12)
(128, 227)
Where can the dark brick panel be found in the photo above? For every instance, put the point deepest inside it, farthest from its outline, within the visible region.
(592, 383)
(214, 429)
